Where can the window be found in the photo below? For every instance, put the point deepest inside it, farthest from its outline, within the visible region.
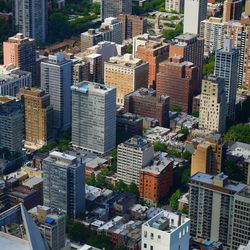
(151, 248)
(145, 245)
(152, 236)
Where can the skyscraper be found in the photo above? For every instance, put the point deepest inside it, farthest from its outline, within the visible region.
(232, 10)
(226, 67)
(21, 52)
(219, 210)
(11, 124)
(56, 79)
(213, 105)
(93, 117)
(178, 80)
(63, 183)
(195, 11)
(110, 8)
(38, 117)
(31, 18)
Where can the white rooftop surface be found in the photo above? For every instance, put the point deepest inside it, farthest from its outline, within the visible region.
(34, 209)
(208, 179)
(95, 162)
(32, 181)
(184, 198)
(139, 208)
(111, 223)
(240, 149)
(13, 243)
(161, 218)
(62, 155)
(16, 175)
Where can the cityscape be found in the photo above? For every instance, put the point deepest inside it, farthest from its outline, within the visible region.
(124, 124)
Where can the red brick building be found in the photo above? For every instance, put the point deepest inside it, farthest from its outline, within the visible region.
(143, 102)
(178, 79)
(156, 180)
(153, 52)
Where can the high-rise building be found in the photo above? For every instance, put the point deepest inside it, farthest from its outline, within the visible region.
(56, 79)
(31, 18)
(156, 179)
(153, 52)
(226, 67)
(11, 124)
(126, 74)
(212, 30)
(190, 47)
(12, 80)
(195, 11)
(81, 71)
(95, 67)
(51, 225)
(110, 8)
(90, 38)
(94, 117)
(177, 79)
(21, 52)
(112, 30)
(143, 102)
(213, 105)
(166, 231)
(208, 156)
(63, 183)
(174, 6)
(133, 155)
(38, 117)
(219, 210)
(25, 235)
(232, 10)
(133, 25)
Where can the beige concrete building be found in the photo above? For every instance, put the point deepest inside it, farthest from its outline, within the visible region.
(213, 105)
(208, 155)
(38, 117)
(126, 74)
(132, 156)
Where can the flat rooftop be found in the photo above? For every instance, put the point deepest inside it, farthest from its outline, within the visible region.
(137, 141)
(10, 242)
(87, 86)
(239, 149)
(126, 61)
(167, 221)
(209, 179)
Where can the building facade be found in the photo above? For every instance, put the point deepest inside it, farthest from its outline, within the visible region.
(38, 117)
(226, 67)
(156, 179)
(110, 8)
(213, 105)
(174, 6)
(143, 102)
(93, 117)
(11, 124)
(63, 183)
(132, 156)
(20, 51)
(126, 74)
(232, 10)
(178, 80)
(31, 18)
(219, 210)
(90, 38)
(166, 231)
(133, 25)
(56, 79)
(195, 11)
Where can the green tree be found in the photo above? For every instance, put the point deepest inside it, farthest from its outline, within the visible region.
(239, 132)
(159, 147)
(95, 8)
(132, 188)
(173, 201)
(208, 68)
(196, 114)
(120, 186)
(175, 108)
(185, 175)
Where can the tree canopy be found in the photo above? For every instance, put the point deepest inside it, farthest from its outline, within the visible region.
(239, 132)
